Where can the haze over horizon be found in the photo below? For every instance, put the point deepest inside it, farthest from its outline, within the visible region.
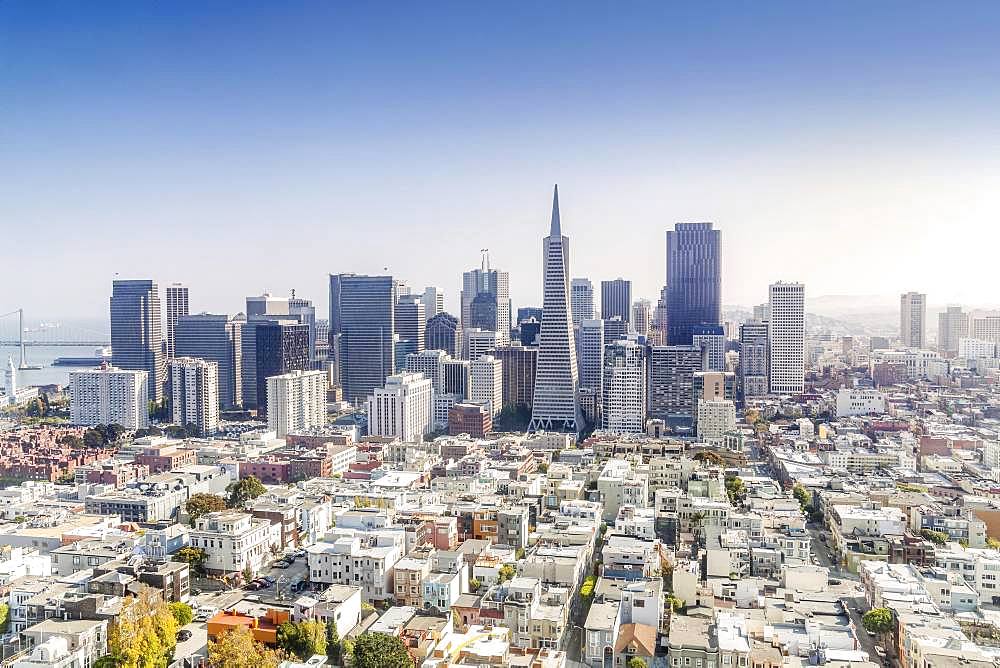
(246, 146)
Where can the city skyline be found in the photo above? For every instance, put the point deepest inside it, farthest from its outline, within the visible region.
(135, 131)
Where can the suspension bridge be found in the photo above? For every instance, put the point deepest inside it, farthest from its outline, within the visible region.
(14, 333)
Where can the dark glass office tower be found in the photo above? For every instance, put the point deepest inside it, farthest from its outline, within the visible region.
(281, 347)
(694, 284)
(136, 334)
(616, 299)
(365, 311)
(217, 338)
(442, 333)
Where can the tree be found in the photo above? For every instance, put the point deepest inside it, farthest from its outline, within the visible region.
(710, 458)
(636, 662)
(377, 650)
(877, 620)
(94, 438)
(4, 617)
(587, 588)
(194, 557)
(736, 490)
(333, 647)
(115, 432)
(245, 490)
(182, 613)
(475, 584)
(238, 649)
(802, 495)
(202, 503)
(145, 634)
(507, 572)
(992, 543)
(676, 604)
(303, 639)
(73, 441)
(936, 537)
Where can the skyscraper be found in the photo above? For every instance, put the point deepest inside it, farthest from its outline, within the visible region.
(194, 393)
(555, 403)
(443, 333)
(219, 339)
(752, 377)
(410, 321)
(136, 339)
(296, 401)
(592, 354)
(486, 382)
(282, 346)
(786, 338)
(616, 299)
(953, 324)
(712, 341)
(433, 299)
(581, 300)
(367, 322)
(403, 408)
(486, 301)
(671, 373)
(694, 286)
(519, 365)
(624, 392)
(642, 315)
(913, 319)
(177, 305)
(304, 311)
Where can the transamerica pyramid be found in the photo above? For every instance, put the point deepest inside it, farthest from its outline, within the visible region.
(555, 406)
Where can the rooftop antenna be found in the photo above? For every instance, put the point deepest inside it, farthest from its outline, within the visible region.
(486, 258)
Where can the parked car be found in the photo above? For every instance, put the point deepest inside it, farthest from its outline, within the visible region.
(183, 635)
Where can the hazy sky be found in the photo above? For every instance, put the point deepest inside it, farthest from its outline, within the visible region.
(242, 146)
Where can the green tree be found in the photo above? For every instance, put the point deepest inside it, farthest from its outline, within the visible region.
(333, 647)
(202, 503)
(72, 441)
(936, 537)
(238, 649)
(145, 633)
(115, 432)
(877, 620)
(587, 588)
(377, 650)
(247, 489)
(4, 617)
(182, 613)
(194, 557)
(710, 458)
(303, 639)
(507, 572)
(802, 495)
(992, 543)
(636, 662)
(736, 490)
(94, 437)
(676, 604)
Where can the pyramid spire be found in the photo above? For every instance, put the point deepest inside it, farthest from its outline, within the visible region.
(555, 230)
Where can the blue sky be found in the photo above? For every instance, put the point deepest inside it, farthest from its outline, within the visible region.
(244, 146)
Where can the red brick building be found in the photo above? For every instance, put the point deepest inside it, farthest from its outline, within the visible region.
(472, 419)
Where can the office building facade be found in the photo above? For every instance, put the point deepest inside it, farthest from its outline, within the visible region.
(443, 333)
(753, 376)
(582, 300)
(178, 305)
(519, 366)
(485, 301)
(913, 320)
(366, 313)
(281, 347)
(486, 382)
(671, 373)
(136, 335)
(616, 299)
(219, 339)
(953, 324)
(786, 338)
(694, 283)
(402, 408)
(623, 407)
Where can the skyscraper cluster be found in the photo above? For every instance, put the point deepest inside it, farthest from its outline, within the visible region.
(606, 360)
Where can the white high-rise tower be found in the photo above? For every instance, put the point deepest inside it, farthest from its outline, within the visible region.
(786, 338)
(555, 404)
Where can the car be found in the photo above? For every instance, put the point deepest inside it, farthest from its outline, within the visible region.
(834, 581)
(196, 592)
(300, 553)
(183, 635)
(282, 564)
(252, 586)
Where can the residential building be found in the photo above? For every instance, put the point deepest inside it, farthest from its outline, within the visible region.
(194, 393)
(753, 373)
(624, 391)
(296, 401)
(671, 388)
(232, 541)
(715, 418)
(109, 395)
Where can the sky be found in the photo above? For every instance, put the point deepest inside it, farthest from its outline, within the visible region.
(244, 146)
